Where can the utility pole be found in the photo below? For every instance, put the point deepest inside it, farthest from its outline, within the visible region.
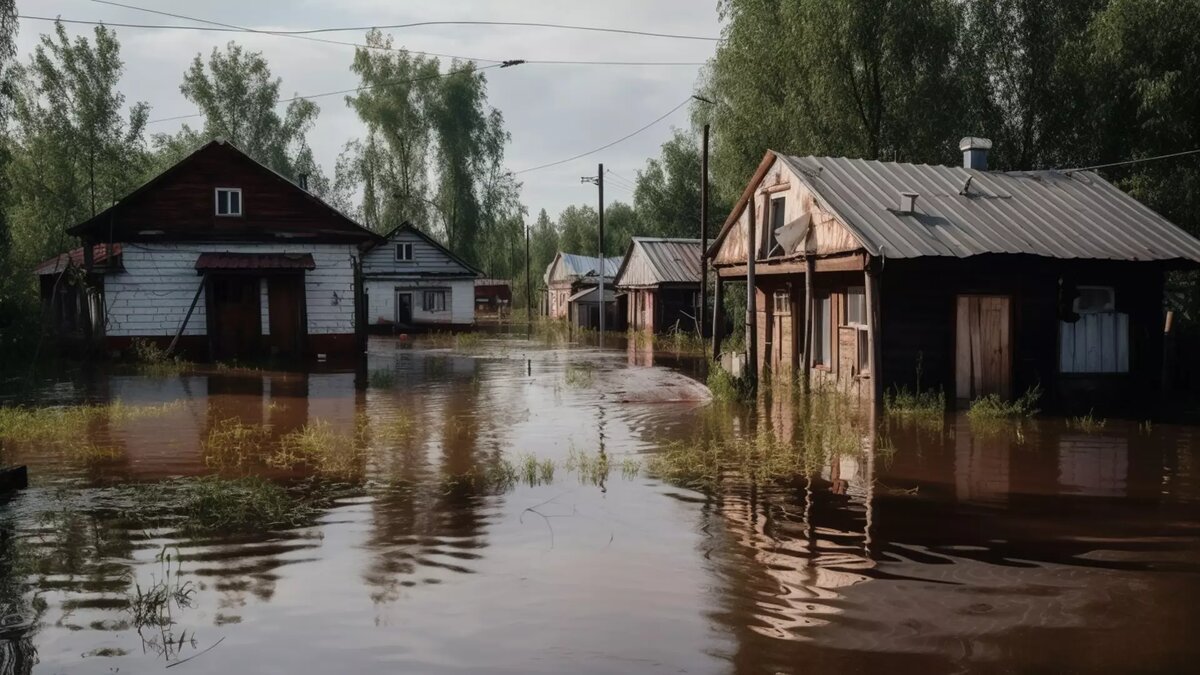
(528, 285)
(598, 181)
(703, 233)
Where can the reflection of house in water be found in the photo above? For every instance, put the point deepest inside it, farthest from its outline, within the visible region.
(1093, 465)
(981, 464)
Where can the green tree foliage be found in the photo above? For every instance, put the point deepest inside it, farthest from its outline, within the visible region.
(391, 164)
(74, 148)
(239, 99)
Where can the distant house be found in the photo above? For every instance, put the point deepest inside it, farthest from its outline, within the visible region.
(413, 282)
(569, 274)
(958, 278)
(493, 296)
(231, 257)
(661, 282)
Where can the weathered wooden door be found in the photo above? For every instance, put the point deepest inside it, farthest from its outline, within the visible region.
(285, 305)
(404, 308)
(983, 349)
(234, 308)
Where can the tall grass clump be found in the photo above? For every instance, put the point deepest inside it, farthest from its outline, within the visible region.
(216, 504)
(724, 386)
(321, 447)
(580, 375)
(468, 342)
(1088, 424)
(992, 407)
(381, 378)
(902, 402)
(232, 443)
(69, 423)
(154, 361)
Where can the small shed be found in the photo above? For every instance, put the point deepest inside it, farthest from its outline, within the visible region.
(585, 308)
(568, 273)
(72, 301)
(872, 276)
(493, 297)
(661, 280)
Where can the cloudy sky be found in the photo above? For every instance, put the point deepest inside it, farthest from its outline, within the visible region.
(553, 111)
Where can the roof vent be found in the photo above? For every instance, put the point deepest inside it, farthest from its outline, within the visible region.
(908, 202)
(975, 152)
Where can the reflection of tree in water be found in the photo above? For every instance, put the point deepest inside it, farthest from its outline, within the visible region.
(423, 525)
(19, 615)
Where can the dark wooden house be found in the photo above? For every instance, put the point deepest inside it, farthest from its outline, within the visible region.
(871, 275)
(226, 258)
(493, 297)
(660, 279)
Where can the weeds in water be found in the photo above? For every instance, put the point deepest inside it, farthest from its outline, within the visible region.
(153, 608)
(1088, 423)
(534, 471)
(232, 443)
(724, 386)
(674, 340)
(229, 504)
(319, 446)
(551, 330)
(381, 379)
(94, 452)
(630, 468)
(468, 342)
(901, 402)
(68, 423)
(992, 407)
(153, 361)
(591, 467)
(581, 375)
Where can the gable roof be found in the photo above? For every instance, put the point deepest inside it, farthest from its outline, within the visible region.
(326, 222)
(964, 212)
(659, 260)
(409, 227)
(581, 266)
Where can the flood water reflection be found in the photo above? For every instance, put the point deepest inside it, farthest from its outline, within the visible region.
(911, 546)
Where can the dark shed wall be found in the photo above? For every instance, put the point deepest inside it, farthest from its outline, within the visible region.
(918, 323)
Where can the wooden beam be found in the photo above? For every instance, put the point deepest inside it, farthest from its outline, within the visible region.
(853, 262)
(188, 316)
(873, 337)
(808, 322)
(751, 306)
(718, 325)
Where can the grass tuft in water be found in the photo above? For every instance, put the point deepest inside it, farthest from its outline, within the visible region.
(250, 503)
(381, 379)
(68, 423)
(992, 407)
(724, 386)
(902, 402)
(321, 447)
(153, 361)
(232, 443)
(1088, 424)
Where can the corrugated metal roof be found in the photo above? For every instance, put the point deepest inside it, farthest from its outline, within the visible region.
(74, 257)
(583, 266)
(1048, 213)
(255, 261)
(589, 295)
(658, 260)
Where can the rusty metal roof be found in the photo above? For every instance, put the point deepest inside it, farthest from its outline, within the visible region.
(656, 260)
(254, 261)
(74, 258)
(963, 212)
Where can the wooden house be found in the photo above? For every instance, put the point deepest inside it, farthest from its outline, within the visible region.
(567, 276)
(660, 279)
(414, 283)
(226, 258)
(71, 306)
(872, 275)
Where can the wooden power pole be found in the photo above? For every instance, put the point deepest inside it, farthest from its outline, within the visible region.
(703, 233)
(528, 284)
(600, 184)
(751, 303)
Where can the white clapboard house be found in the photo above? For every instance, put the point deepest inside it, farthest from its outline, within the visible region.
(225, 258)
(412, 283)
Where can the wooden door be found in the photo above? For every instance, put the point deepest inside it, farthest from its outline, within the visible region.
(235, 316)
(285, 305)
(404, 308)
(983, 351)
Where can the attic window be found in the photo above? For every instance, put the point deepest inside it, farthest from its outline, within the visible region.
(229, 201)
(404, 252)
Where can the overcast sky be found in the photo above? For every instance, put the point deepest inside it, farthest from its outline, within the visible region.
(552, 111)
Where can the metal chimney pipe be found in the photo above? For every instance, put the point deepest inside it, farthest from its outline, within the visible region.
(975, 152)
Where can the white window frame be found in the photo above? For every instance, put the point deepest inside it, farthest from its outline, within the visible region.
(852, 291)
(429, 303)
(823, 334)
(781, 295)
(217, 202)
(405, 246)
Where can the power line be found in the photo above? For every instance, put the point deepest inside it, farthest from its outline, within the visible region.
(519, 24)
(620, 177)
(606, 145)
(1133, 161)
(349, 91)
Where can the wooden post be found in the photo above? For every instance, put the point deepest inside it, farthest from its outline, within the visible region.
(751, 304)
(360, 309)
(718, 324)
(603, 307)
(188, 316)
(85, 292)
(528, 283)
(703, 231)
(875, 363)
(808, 317)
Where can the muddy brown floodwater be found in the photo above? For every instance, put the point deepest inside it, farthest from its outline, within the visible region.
(503, 511)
